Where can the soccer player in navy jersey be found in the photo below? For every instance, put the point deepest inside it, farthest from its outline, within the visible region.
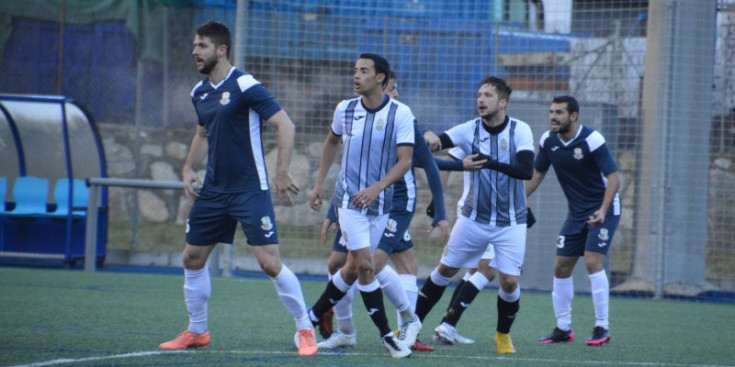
(495, 210)
(395, 243)
(589, 178)
(378, 138)
(230, 105)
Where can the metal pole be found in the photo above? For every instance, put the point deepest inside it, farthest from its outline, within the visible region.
(90, 238)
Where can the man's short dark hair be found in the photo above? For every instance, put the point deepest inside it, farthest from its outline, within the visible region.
(218, 33)
(500, 85)
(572, 104)
(392, 75)
(381, 65)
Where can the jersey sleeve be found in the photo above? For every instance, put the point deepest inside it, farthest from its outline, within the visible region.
(404, 127)
(542, 162)
(337, 119)
(257, 97)
(602, 155)
(523, 137)
(462, 136)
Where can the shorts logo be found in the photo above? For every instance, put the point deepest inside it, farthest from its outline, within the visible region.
(392, 225)
(578, 153)
(602, 244)
(389, 235)
(269, 234)
(560, 241)
(267, 224)
(503, 144)
(187, 226)
(225, 98)
(603, 236)
(406, 237)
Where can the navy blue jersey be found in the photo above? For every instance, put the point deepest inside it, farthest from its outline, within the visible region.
(404, 189)
(582, 166)
(233, 112)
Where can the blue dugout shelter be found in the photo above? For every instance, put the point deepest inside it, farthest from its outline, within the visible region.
(49, 145)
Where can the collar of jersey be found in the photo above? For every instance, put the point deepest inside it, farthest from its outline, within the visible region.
(496, 129)
(386, 99)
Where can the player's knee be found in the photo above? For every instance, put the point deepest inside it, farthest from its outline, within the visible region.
(508, 283)
(447, 271)
(270, 266)
(193, 261)
(489, 273)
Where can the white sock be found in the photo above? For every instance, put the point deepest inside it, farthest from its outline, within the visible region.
(479, 280)
(343, 312)
(392, 288)
(562, 297)
(467, 276)
(600, 298)
(439, 279)
(289, 290)
(510, 297)
(197, 289)
(339, 282)
(408, 282)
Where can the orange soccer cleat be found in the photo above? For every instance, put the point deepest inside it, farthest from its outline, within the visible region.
(307, 342)
(187, 339)
(421, 347)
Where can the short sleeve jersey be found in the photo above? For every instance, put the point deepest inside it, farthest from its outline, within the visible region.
(494, 197)
(371, 138)
(582, 166)
(233, 112)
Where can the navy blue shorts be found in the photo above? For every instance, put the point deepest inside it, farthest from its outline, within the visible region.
(395, 237)
(214, 217)
(587, 238)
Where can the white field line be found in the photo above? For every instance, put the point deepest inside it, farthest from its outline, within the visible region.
(62, 361)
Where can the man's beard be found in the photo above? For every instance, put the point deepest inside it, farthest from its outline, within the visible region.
(208, 66)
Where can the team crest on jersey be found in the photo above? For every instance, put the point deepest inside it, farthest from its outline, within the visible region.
(578, 153)
(503, 144)
(392, 225)
(266, 223)
(225, 98)
(380, 125)
(603, 236)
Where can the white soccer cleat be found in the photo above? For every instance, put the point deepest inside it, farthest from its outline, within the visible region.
(459, 339)
(339, 340)
(395, 347)
(445, 334)
(410, 330)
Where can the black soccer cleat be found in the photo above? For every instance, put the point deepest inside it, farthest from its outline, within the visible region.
(600, 336)
(558, 336)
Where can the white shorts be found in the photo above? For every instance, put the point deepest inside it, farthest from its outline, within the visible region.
(360, 230)
(470, 241)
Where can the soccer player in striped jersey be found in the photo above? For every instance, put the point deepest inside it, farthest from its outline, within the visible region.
(378, 137)
(395, 244)
(495, 209)
(589, 178)
(230, 105)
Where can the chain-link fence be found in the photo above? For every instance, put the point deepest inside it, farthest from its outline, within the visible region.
(643, 72)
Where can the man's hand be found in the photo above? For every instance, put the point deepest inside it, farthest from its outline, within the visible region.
(190, 178)
(326, 226)
(433, 141)
(444, 227)
(530, 218)
(597, 218)
(473, 162)
(315, 198)
(365, 197)
(285, 187)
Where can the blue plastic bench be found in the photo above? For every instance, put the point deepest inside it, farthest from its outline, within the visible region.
(61, 197)
(29, 194)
